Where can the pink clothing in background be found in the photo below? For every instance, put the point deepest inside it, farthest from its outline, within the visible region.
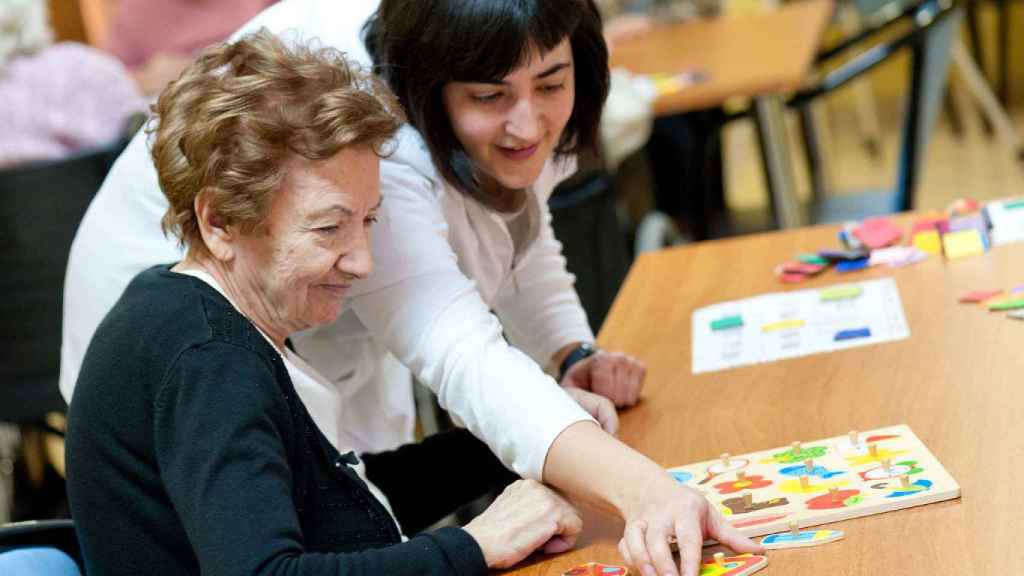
(62, 99)
(143, 28)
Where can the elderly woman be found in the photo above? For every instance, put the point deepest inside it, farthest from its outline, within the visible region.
(57, 98)
(470, 292)
(188, 448)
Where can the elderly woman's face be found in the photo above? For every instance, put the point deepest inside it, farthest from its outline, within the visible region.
(315, 242)
(511, 127)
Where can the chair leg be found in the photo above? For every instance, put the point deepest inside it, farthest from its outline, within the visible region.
(864, 97)
(1004, 52)
(974, 36)
(990, 106)
(812, 151)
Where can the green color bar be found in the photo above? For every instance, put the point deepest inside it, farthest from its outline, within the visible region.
(812, 259)
(1007, 305)
(726, 323)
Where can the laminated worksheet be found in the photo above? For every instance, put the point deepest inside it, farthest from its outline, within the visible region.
(783, 325)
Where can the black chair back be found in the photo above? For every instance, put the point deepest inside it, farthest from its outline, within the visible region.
(41, 206)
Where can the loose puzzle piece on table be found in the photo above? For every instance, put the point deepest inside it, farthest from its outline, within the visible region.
(597, 569)
(800, 539)
(739, 565)
(815, 483)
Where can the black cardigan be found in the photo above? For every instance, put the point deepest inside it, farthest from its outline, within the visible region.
(189, 451)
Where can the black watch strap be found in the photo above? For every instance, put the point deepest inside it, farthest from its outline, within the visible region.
(584, 350)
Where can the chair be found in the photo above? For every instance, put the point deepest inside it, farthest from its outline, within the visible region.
(933, 26)
(584, 220)
(49, 547)
(40, 207)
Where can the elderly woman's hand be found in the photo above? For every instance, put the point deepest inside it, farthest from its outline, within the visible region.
(525, 517)
(614, 375)
(672, 511)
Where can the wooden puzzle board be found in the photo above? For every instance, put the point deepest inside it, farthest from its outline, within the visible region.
(770, 495)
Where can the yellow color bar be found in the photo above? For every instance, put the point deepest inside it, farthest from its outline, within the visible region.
(783, 325)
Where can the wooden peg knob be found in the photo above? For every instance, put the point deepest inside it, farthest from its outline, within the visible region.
(809, 465)
(725, 458)
(741, 476)
(905, 481)
(804, 482)
(720, 558)
(796, 446)
(748, 500)
(873, 450)
(887, 465)
(833, 493)
(854, 438)
(794, 529)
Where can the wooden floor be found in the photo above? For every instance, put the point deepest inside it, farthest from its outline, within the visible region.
(971, 165)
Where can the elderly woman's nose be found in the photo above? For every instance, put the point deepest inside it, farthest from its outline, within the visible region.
(524, 121)
(358, 261)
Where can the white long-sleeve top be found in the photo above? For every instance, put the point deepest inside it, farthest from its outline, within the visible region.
(445, 271)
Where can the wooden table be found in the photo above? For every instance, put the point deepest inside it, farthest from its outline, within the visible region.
(958, 381)
(761, 56)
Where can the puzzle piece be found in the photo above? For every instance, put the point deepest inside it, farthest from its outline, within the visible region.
(597, 569)
(740, 565)
(800, 539)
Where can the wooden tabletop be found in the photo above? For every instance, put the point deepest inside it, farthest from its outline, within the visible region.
(958, 381)
(746, 55)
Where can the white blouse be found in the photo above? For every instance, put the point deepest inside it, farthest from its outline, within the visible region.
(443, 275)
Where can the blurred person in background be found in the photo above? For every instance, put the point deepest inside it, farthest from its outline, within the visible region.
(156, 39)
(57, 98)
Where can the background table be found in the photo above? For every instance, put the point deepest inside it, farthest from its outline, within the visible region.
(958, 381)
(761, 56)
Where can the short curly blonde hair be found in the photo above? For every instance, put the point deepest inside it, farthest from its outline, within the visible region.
(233, 118)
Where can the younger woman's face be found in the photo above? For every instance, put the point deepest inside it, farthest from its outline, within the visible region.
(510, 127)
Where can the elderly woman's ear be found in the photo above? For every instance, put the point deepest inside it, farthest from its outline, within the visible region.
(218, 236)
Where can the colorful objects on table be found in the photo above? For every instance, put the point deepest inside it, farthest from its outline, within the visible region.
(963, 206)
(978, 296)
(740, 565)
(597, 569)
(851, 265)
(1012, 304)
(727, 322)
(963, 243)
(928, 241)
(877, 233)
(1016, 315)
(896, 256)
(800, 539)
(813, 259)
(852, 334)
(840, 255)
(844, 292)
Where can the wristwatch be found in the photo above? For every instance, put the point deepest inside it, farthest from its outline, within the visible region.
(584, 350)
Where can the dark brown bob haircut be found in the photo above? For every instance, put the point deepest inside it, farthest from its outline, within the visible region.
(233, 119)
(418, 46)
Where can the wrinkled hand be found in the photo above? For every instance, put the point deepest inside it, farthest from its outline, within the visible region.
(599, 407)
(673, 511)
(525, 517)
(614, 375)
